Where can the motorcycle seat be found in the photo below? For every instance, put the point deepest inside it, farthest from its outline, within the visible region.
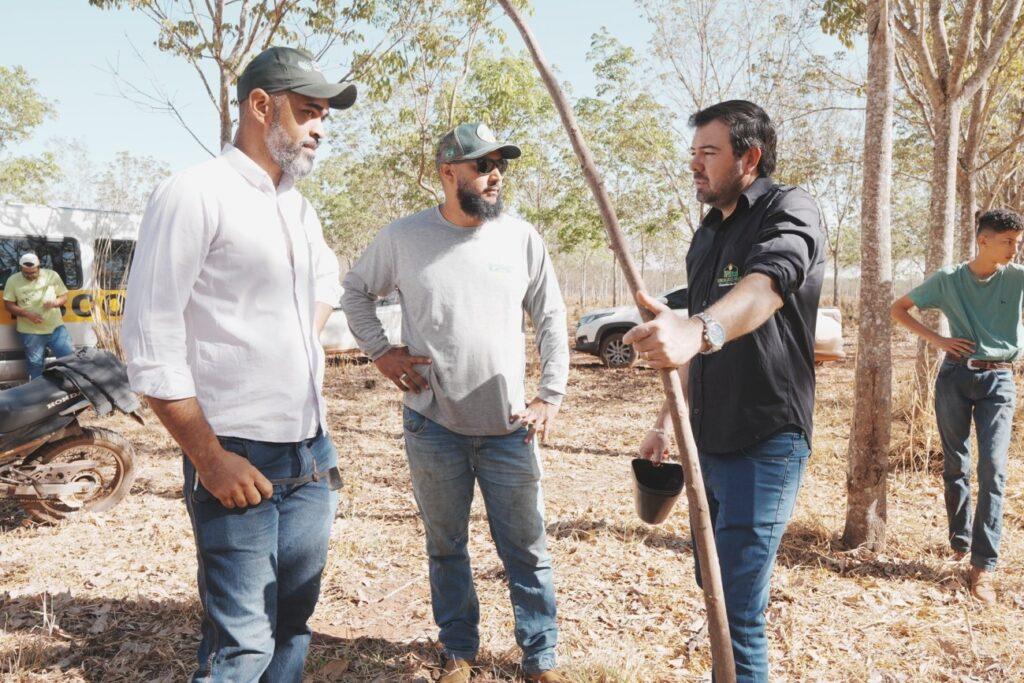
(32, 402)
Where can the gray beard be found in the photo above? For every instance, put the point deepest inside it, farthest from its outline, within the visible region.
(287, 154)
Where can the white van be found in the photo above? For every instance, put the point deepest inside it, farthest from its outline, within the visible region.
(90, 250)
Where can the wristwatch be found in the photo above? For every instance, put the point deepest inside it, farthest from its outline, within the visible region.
(714, 333)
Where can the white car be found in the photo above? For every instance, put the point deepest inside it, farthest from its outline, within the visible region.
(337, 338)
(600, 332)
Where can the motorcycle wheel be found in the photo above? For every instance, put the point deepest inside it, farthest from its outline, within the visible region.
(112, 476)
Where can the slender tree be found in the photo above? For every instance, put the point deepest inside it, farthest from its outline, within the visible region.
(868, 456)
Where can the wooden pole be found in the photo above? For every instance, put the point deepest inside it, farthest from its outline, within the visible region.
(700, 517)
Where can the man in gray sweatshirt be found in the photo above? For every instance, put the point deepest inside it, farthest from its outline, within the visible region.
(466, 272)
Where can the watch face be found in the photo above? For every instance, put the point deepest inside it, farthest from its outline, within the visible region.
(716, 334)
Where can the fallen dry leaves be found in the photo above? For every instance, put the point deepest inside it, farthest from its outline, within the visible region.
(112, 597)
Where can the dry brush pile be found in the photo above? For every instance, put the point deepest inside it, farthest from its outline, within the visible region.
(112, 597)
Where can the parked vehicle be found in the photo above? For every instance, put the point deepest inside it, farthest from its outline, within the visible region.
(90, 250)
(599, 332)
(336, 338)
(49, 462)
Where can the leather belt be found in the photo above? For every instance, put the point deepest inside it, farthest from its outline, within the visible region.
(977, 365)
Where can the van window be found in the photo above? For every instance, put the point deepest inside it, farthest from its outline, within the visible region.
(61, 255)
(112, 260)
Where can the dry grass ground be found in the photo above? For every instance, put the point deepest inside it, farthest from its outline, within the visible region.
(112, 597)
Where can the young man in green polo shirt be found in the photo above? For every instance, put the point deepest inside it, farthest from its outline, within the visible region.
(982, 300)
(34, 297)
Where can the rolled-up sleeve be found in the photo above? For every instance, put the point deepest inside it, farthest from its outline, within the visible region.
(173, 242)
(373, 276)
(326, 271)
(544, 304)
(789, 243)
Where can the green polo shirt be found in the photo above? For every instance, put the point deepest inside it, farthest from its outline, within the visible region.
(31, 295)
(987, 312)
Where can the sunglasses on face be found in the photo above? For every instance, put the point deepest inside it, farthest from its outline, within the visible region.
(485, 165)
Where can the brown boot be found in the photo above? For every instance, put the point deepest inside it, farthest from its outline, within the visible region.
(981, 586)
(549, 676)
(456, 671)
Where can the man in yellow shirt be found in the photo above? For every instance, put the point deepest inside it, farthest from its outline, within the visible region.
(34, 297)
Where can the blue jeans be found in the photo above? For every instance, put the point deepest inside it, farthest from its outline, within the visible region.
(751, 496)
(260, 566)
(58, 341)
(444, 466)
(989, 397)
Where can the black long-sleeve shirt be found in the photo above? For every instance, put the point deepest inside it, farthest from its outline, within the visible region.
(763, 381)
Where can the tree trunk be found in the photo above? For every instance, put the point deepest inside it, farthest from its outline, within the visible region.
(868, 457)
(941, 221)
(225, 108)
(835, 280)
(583, 281)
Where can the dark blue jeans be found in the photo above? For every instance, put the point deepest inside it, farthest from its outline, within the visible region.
(751, 495)
(444, 466)
(58, 341)
(259, 567)
(989, 398)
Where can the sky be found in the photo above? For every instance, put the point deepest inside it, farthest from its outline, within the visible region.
(70, 49)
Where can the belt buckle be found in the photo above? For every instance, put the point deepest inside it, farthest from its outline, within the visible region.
(971, 365)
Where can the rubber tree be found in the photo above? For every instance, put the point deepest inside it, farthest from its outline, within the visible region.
(868, 454)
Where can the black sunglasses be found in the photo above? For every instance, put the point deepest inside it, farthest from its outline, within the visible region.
(485, 165)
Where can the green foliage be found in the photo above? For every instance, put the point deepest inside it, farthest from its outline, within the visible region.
(844, 19)
(126, 182)
(22, 110)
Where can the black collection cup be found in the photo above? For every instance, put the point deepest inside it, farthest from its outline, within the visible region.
(656, 488)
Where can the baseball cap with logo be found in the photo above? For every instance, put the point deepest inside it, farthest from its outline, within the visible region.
(29, 259)
(471, 141)
(284, 68)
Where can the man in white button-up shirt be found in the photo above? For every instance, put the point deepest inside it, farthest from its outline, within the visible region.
(231, 283)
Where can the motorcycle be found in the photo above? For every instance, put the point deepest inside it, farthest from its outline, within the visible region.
(52, 465)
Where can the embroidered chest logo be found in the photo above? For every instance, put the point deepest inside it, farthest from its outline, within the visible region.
(730, 276)
(501, 268)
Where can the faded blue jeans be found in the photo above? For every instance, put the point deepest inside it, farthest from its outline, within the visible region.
(58, 341)
(259, 567)
(989, 398)
(444, 465)
(751, 496)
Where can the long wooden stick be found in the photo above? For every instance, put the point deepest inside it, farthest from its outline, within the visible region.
(700, 517)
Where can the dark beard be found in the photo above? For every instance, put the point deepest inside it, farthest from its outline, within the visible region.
(476, 206)
(726, 193)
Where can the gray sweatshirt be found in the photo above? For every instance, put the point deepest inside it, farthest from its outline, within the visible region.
(463, 294)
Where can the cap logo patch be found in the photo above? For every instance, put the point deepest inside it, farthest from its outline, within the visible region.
(485, 133)
(307, 65)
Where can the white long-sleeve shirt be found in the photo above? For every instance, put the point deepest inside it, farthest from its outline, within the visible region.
(221, 300)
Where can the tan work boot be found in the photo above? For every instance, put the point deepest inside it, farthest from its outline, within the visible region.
(549, 676)
(456, 671)
(981, 586)
(959, 555)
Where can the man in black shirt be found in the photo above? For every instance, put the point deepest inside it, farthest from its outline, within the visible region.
(746, 355)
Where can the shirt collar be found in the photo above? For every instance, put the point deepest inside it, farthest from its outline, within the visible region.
(253, 172)
(747, 198)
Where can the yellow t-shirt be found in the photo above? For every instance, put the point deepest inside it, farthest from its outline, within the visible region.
(31, 295)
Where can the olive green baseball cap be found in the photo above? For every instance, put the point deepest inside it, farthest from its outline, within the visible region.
(283, 68)
(471, 141)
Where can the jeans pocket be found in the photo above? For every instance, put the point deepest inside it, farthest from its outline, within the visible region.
(413, 422)
(946, 369)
